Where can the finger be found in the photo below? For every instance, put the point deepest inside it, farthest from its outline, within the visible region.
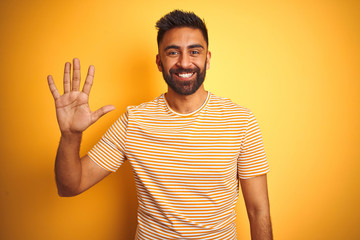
(53, 88)
(76, 75)
(89, 80)
(67, 77)
(101, 112)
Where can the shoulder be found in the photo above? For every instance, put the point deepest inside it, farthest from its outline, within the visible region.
(226, 105)
(151, 107)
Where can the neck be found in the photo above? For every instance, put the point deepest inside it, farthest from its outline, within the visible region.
(186, 103)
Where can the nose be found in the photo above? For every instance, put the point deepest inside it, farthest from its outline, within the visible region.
(184, 61)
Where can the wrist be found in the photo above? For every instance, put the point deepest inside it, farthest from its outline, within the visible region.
(69, 136)
(70, 142)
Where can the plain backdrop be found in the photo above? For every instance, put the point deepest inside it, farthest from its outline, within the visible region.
(295, 64)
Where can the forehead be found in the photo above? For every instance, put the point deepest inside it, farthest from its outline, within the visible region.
(182, 37)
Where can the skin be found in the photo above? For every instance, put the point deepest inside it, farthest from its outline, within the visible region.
(74, 174)
(255, 194)
(184, 48)
(180, 48)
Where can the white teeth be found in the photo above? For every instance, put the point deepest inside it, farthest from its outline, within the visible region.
(185, 75)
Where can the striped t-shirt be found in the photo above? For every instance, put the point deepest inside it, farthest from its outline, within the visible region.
(186, 166)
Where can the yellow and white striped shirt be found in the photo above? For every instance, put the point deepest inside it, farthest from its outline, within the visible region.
(186, 166)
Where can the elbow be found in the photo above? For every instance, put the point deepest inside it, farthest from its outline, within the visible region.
(66, 192)
(255, 213)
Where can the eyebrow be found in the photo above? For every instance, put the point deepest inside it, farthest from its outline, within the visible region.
(178, 47)
(172, 46)
(196, 46)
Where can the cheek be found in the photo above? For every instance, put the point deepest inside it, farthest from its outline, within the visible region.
(167, 67)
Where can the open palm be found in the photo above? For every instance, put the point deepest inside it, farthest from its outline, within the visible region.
(72, 108)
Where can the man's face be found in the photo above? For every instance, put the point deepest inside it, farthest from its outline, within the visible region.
(183, 59)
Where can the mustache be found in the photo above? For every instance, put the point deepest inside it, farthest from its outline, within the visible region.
(184, 70)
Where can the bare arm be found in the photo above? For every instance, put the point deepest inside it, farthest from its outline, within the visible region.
(75, 175)
(257, 205)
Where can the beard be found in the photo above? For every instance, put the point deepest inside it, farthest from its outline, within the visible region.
(184, 87)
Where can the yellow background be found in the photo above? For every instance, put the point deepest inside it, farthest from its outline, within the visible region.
(294, 63)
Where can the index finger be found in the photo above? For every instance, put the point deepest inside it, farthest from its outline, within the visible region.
(53, 88)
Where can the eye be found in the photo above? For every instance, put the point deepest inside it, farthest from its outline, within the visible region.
(194, 52)
(172, 53)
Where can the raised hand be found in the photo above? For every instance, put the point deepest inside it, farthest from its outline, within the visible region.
(72, 108)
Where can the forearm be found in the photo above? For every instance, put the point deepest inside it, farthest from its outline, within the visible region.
(260, 225)
(68, 165)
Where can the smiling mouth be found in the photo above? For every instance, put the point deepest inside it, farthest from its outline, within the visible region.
(185, 75)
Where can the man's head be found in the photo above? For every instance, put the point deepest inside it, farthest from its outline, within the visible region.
(183, 51)
(176, 19)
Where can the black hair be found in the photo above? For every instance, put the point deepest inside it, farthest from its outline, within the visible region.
(179, 18)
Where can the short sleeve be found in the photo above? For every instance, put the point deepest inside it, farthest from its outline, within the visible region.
(252, 160)
(109, 152)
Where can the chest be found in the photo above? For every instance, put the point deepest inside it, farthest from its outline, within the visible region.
(193, 147)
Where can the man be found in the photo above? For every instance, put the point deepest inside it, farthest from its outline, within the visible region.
(188, 147)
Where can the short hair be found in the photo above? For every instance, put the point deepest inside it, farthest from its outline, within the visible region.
(179, 18)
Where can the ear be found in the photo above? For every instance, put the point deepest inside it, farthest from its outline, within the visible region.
(208, 60)
(158, 62)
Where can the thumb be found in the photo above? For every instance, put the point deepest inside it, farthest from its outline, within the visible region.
(101, 112)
